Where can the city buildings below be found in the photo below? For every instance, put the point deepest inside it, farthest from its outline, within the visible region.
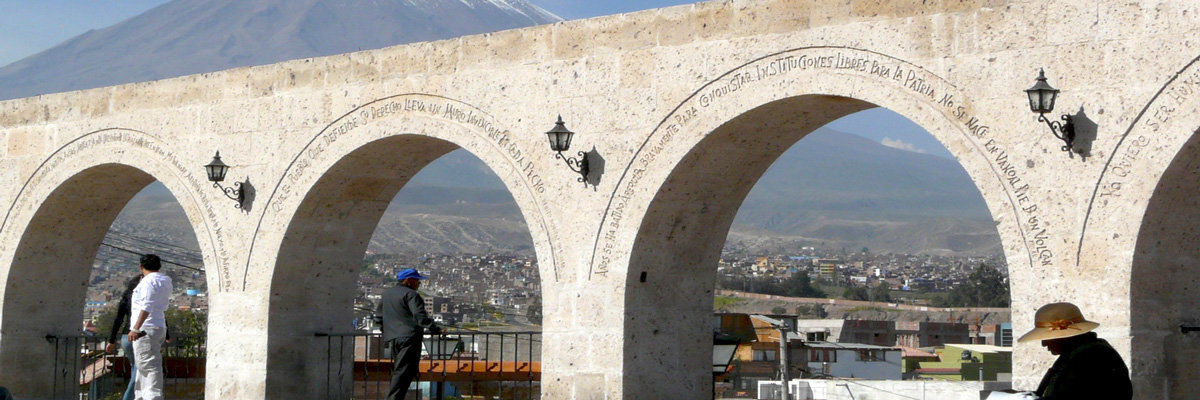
(852, 350)
(853, 360)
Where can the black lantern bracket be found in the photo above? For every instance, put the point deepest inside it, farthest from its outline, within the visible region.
(560, 141)
(216, 171)
(579, 165)
(1042, 97)
(233, 193)
(1064, 131)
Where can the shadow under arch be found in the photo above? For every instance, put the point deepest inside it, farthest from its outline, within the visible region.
(1165, 283)
(313, 285)
(709, 171)
(48, 276)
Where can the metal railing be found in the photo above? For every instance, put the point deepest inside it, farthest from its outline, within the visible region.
(454, 365)
(84, 371)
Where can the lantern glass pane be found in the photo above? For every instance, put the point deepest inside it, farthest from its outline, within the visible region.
(1035, 100)
(1048, 97)
(559, 141)
(722, 355)
(564, 140)
(216, 173)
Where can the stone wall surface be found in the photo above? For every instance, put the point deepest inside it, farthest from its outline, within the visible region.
(686, 106)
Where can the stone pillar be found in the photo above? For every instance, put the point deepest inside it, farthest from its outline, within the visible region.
(237, 346)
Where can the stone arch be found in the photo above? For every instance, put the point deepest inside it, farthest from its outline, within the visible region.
(684, 186)
(1153, 171)
(57, 222)
(329, 203)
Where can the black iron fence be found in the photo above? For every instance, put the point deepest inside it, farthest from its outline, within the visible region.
(84, 371)
(454, 365)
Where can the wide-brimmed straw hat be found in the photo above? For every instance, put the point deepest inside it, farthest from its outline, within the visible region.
(1057, 321)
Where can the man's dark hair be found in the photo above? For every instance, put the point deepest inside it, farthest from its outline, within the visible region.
(151, 262)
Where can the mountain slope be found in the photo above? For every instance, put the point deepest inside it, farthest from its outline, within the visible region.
(831, 174)
(194, 36)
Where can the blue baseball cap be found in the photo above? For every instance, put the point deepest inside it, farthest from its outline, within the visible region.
(408, 273)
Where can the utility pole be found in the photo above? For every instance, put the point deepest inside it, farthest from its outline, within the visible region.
(783, 361)
(783, 328)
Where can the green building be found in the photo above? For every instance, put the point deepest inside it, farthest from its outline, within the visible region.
(966, 362)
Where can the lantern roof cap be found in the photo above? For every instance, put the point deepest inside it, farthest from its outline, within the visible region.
(1041, 84)
(216, 161)
(559, 127)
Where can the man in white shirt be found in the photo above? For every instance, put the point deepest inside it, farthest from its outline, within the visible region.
(148, 328)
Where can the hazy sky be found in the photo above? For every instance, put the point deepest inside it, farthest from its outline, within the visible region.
(30, 26)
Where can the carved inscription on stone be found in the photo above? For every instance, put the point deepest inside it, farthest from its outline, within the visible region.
(426, 105)
(1158, 124)
(123, 140)
(767, 71)
(422, 105)
(1160, 117)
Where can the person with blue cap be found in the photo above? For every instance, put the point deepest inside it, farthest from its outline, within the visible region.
(404, 323)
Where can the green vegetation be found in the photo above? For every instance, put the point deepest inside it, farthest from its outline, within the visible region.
(811, 311)
(986, 287)
(866, 308)
(882, 292)
(190, 326)
(535, 311)
(796, 285)
(724, 303)
(856, 293)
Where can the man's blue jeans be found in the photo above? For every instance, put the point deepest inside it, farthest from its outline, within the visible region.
(127, 348)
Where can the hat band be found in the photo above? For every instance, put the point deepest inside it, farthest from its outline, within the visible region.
(1059, 325)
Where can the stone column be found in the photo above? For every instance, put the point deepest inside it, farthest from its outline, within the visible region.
(236, 346)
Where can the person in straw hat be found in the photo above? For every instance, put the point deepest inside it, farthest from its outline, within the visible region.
(1087, 366)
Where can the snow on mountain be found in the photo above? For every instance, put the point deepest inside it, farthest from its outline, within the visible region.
(186, 37)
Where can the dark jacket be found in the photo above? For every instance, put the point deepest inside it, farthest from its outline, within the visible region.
(120, 325)
(404, 314)
(1088, 368)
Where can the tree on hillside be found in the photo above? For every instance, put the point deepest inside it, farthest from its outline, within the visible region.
(190, 327)
(799, 285)
(535, 311)
(856, 293)
(985, 287)
(882, 292)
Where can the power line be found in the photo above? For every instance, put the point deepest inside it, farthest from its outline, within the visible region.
(185, 250)
(159, 247)
(106, 244)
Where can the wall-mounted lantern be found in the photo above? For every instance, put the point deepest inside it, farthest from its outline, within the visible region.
(216, 174)
(1041, 101)
(560, 141)
(724, 348)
